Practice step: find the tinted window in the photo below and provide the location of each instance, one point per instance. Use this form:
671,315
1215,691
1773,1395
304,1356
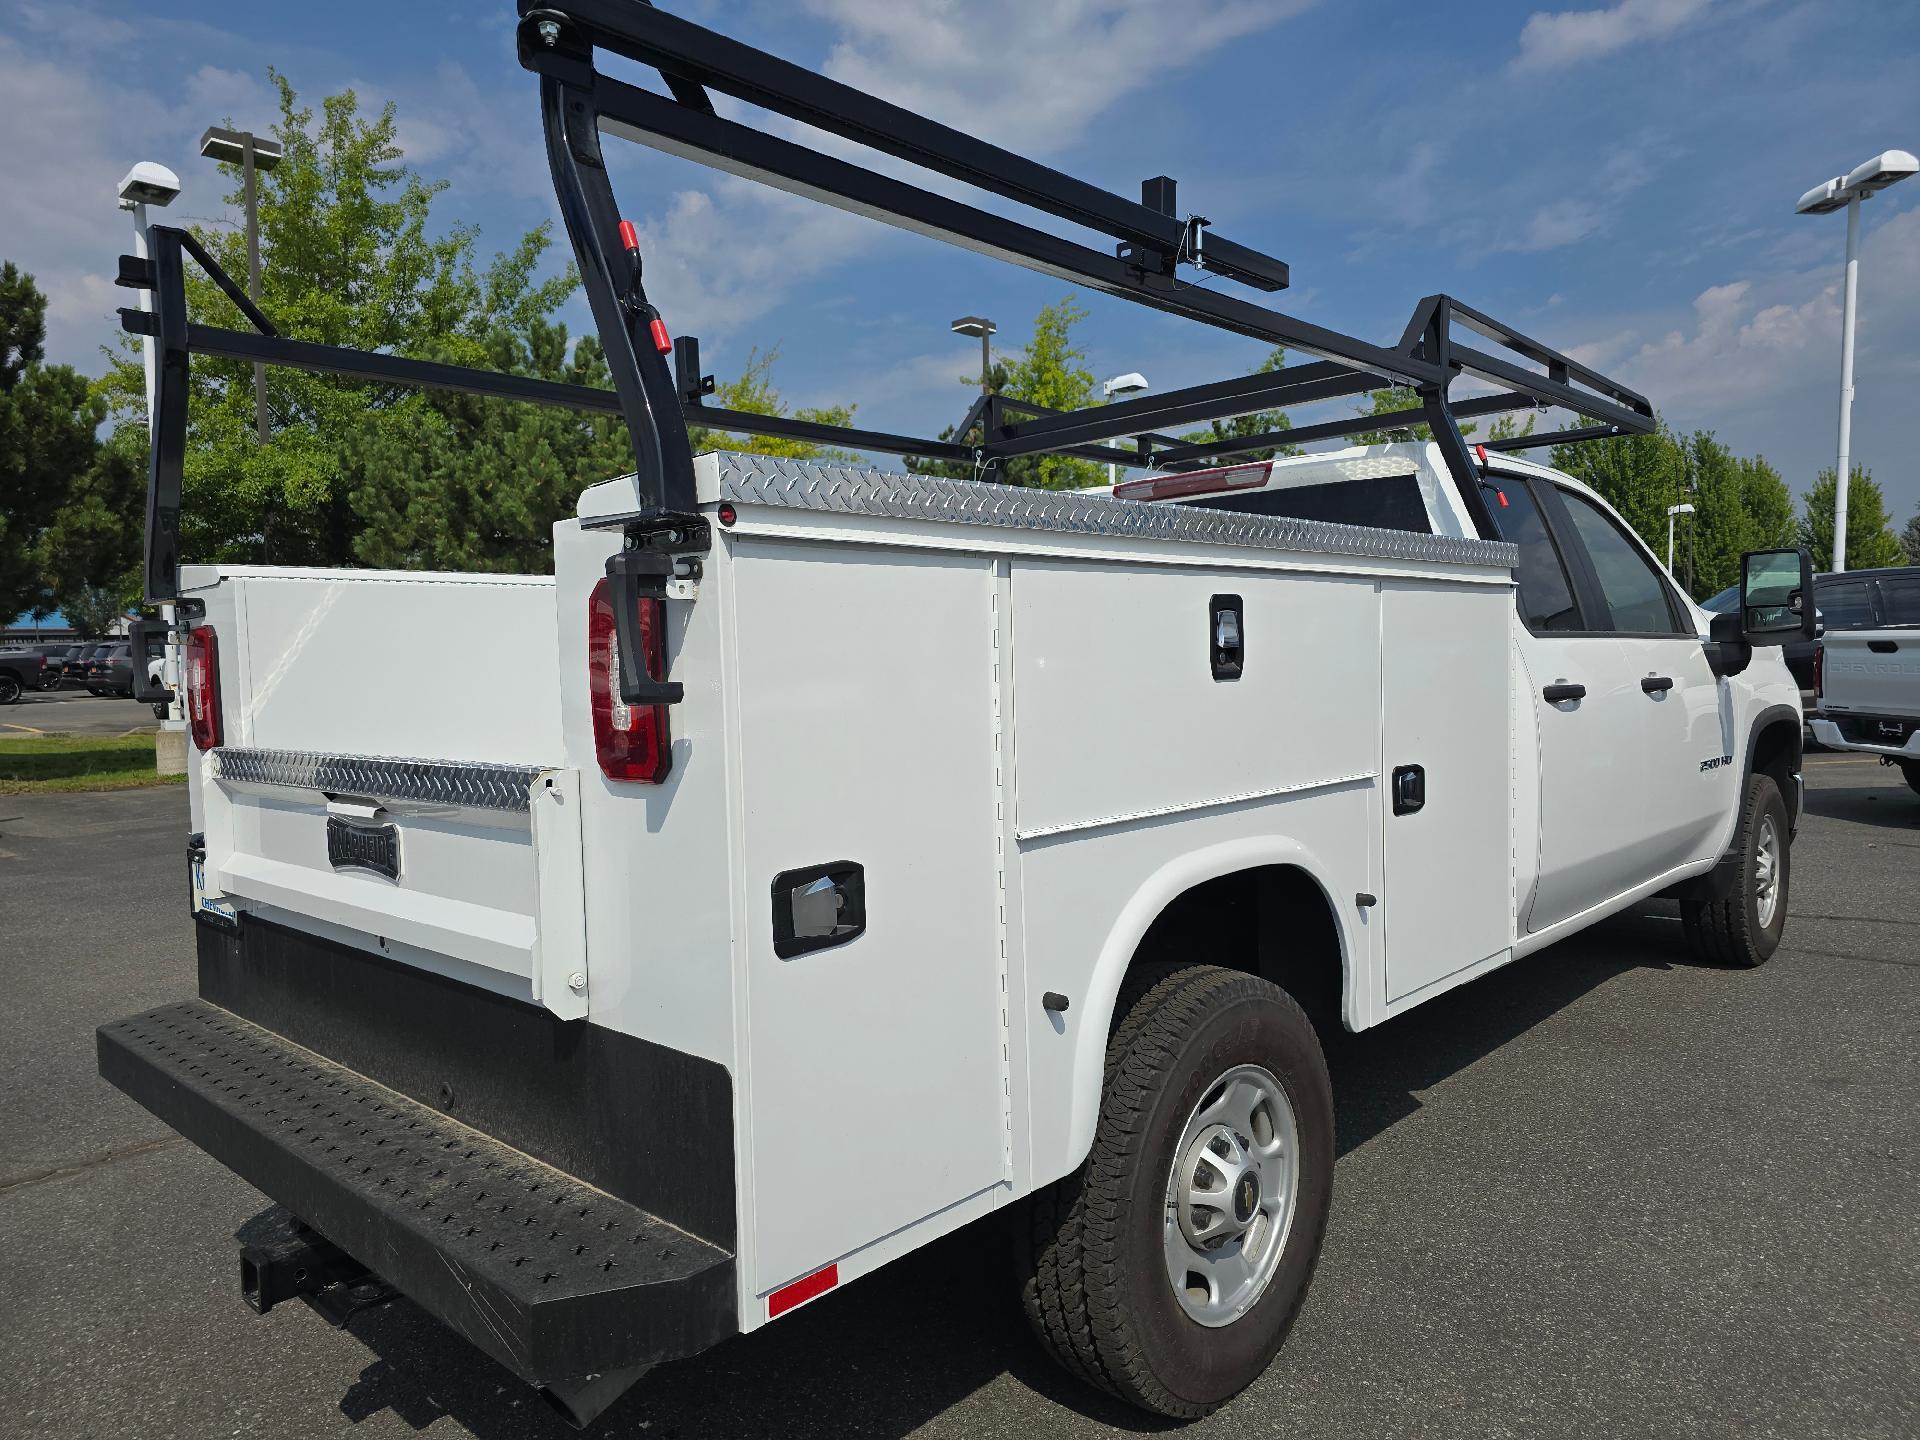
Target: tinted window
1545,598
1900,597
1725,603
1390,503
1634,591
1844,605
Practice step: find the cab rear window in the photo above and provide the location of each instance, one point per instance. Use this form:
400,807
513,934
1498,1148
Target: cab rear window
1390,503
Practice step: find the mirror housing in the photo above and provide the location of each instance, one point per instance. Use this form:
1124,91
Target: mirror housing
1728,652
142,636
1776,597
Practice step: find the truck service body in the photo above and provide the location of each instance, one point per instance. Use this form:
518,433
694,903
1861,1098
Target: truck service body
1868,687
865,853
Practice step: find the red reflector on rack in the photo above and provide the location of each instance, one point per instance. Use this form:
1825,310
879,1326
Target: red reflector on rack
1481,451
801,1291
661,340
1195,482
629,237
1501,496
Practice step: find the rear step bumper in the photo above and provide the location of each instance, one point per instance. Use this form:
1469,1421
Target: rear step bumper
555,1279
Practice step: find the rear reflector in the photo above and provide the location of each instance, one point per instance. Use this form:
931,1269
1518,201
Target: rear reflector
631,742
661,340
1195,482
801,1291
203,688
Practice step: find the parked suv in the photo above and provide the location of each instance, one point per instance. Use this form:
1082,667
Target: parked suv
110,671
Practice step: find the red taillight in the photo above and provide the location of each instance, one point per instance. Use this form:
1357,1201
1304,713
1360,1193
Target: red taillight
631,741
1819,671
203,687
1196,482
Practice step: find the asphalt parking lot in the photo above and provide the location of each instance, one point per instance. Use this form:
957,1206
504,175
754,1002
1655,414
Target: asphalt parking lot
75,712
1603,1192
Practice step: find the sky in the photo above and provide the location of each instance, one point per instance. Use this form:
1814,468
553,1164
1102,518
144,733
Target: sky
1616,179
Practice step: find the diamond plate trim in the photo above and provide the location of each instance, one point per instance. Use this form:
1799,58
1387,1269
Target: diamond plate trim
851,490
382,777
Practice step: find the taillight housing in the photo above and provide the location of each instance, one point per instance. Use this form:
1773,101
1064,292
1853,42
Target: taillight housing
202,685
632,742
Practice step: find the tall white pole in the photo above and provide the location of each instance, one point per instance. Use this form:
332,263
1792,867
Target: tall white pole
1669,542
1842,473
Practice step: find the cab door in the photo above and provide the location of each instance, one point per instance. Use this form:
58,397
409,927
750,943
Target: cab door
1586,703
1687,778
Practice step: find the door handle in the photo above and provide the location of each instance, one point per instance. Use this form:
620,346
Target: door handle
1883,647
1657,684
1555,693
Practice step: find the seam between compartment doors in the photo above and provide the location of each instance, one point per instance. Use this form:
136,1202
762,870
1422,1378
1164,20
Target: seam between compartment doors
1011,959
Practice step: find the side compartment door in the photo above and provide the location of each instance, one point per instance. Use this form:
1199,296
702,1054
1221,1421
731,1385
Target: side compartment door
877,1091
1587,704
1448,868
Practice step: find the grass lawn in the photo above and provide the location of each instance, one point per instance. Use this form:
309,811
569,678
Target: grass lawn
30,763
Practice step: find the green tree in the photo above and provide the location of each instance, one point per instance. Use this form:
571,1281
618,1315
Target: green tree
1871,542
1639,475
752,391
1910,540
93,609
1397,398
48,415
1051,372
353,255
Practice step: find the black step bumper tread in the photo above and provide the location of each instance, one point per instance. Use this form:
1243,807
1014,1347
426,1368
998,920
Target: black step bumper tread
551,1277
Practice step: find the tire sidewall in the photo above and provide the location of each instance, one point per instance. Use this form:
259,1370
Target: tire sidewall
10,689
1764,800
1199,1364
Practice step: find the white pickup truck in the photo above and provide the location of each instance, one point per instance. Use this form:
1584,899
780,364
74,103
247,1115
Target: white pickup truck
1867,682
882,852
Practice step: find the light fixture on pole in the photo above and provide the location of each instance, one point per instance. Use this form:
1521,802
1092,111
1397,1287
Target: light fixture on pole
1846,192
151,183
1673,510
1131,383
983,327
254,156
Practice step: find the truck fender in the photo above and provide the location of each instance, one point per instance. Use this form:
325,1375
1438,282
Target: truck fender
1123,938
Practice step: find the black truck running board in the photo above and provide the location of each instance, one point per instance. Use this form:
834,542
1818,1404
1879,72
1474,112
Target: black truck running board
561,1282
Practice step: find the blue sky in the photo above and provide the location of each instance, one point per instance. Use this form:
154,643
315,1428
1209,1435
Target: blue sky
1616,178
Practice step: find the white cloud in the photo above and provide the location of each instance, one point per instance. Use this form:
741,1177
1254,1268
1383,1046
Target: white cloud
1564,222
1551,39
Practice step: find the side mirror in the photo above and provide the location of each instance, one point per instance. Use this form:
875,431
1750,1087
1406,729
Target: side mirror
1776,597
143,638
1728,652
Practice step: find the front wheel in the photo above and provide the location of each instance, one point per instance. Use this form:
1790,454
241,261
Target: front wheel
1169,1269
1911,769
1736,914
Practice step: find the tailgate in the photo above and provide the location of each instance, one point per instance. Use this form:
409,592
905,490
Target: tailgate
391,772
1875,672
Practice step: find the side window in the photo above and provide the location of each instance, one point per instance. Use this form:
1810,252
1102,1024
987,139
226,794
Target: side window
1846,604
1633,589
1545,597
1900,595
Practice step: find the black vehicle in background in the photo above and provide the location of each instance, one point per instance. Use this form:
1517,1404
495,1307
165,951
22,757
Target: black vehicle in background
110,671
20,672
1853,600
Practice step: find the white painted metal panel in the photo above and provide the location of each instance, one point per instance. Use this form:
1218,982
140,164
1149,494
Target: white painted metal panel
1447,892
1120,716
876,1068
444,667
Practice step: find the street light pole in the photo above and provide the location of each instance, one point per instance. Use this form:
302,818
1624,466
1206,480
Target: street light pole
1673,510
254,156
983,327
1843,472
1846,192
1132,383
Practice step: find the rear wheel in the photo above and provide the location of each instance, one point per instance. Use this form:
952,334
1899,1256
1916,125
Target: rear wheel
1736,914
1911,769
1169,1269
9,688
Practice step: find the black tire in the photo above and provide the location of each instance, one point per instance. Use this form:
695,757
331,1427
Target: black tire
1093,1270
1911,769
10,687
1721,913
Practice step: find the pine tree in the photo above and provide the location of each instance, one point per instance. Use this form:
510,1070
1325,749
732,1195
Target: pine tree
1871,542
